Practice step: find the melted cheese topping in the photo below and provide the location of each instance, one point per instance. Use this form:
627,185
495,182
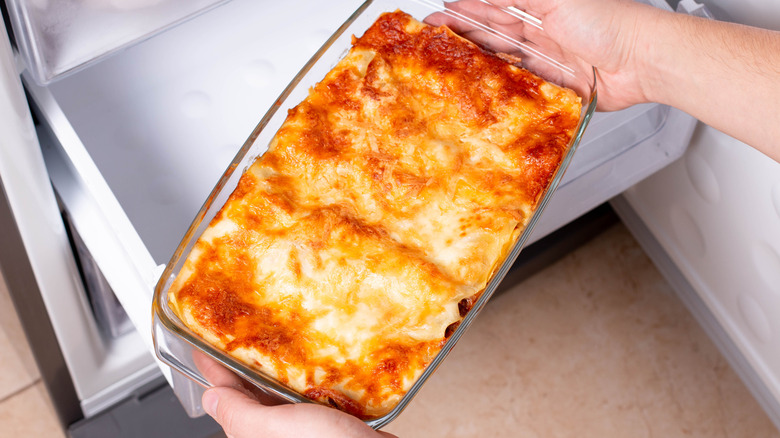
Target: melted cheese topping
387,199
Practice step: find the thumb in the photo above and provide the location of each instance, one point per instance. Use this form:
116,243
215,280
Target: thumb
243,417
236,412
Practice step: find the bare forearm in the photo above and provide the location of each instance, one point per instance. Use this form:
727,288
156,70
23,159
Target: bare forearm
724,74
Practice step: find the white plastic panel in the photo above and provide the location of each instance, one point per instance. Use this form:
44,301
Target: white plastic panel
104,370
716,213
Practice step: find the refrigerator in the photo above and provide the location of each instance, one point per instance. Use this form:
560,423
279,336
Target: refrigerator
118,117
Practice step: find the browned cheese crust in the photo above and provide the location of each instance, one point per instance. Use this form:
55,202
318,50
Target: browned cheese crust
387,199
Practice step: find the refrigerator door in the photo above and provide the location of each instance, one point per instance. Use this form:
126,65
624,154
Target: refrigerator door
711,222
715,215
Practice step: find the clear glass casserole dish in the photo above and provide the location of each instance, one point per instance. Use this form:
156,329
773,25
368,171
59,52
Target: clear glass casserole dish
177,346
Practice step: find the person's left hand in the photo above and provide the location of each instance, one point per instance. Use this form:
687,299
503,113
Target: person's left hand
244,413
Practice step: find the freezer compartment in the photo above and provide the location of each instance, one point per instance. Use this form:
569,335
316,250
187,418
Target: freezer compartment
84,171
58,37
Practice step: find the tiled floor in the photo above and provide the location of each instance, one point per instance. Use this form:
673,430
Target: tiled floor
25,409
597,345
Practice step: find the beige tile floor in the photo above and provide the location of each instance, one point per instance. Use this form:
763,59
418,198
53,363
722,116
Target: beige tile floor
597,345
25,409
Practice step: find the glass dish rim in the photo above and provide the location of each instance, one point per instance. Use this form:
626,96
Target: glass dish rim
159,306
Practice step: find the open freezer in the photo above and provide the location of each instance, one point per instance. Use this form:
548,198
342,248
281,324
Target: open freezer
133,145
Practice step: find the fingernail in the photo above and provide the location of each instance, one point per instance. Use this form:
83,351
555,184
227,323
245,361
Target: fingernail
210,401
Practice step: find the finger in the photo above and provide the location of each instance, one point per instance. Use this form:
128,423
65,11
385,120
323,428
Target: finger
498,38
214,372
242,417
501,11
489,26
468,14
482,11
495,42
236,412
457,24
537,8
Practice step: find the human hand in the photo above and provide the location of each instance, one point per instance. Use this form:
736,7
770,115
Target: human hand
244,412
607,34
724,74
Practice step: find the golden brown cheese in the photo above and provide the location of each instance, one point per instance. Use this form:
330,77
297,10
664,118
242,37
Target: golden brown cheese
388,197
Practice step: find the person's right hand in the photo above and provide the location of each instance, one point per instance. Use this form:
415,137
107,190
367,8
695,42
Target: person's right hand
245,412
724,74
607,34
241,415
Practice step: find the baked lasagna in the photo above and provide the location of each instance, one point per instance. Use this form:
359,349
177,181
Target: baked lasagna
351,249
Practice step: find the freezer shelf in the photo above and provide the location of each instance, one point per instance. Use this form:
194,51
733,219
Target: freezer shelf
57,37
139,140
162,123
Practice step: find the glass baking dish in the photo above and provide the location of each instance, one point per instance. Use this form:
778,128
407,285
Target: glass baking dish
183,350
